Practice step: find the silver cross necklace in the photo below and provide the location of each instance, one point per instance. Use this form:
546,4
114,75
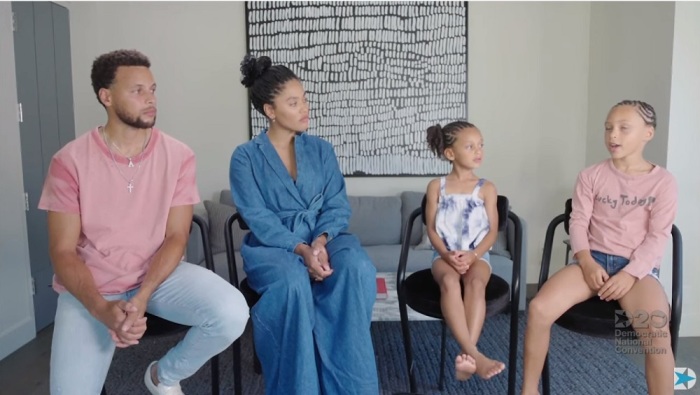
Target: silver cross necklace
129,181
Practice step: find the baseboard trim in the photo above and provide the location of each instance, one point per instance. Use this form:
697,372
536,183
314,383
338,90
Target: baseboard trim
16,336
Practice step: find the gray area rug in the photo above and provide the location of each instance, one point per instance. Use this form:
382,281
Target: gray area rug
579,364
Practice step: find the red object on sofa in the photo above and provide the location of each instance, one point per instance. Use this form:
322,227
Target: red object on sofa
381,289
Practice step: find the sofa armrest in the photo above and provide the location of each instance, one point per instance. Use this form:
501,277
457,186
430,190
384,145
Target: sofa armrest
194,252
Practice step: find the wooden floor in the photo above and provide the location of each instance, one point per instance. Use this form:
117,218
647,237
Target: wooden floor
26,371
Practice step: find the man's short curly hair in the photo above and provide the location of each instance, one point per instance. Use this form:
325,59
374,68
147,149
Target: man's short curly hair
104,68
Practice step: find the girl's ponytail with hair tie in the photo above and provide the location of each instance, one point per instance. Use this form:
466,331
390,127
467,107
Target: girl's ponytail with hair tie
440,135
436,139
437,130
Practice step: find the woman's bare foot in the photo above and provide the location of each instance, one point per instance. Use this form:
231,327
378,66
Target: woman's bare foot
465,366
487,368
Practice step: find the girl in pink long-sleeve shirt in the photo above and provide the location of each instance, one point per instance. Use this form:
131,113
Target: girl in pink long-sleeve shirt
622,212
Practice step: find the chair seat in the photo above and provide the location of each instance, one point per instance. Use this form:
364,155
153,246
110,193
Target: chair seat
423,294
251,297
594,317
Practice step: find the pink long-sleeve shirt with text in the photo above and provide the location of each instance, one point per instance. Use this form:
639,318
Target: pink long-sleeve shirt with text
625,215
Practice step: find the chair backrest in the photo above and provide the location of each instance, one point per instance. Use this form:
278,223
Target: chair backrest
567,212
242,224
230,248
502,205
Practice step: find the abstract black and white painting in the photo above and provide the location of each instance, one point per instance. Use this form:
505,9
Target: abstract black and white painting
376,74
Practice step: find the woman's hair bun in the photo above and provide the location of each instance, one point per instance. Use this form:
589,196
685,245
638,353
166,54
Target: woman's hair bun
252,68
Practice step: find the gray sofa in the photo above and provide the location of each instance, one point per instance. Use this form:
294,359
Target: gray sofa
378,221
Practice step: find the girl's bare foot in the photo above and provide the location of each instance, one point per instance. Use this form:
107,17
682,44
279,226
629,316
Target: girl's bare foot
465,366
528,392
487,368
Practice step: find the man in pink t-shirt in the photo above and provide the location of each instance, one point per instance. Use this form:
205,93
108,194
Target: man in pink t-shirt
120,201
623,210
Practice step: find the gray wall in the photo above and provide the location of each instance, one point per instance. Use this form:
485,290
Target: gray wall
16,306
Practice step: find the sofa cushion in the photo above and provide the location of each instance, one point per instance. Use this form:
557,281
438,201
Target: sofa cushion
410,201
226,198
218,214
425,243
376,220
386,258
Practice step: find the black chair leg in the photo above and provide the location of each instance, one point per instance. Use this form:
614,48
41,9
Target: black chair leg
257,368
513,351
215,375
674,345
407,346
545,376
237,387
674,328
443,345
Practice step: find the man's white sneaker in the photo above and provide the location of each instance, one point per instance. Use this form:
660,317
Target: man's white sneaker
160,389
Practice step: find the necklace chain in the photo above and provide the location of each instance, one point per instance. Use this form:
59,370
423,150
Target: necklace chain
129,181
131,163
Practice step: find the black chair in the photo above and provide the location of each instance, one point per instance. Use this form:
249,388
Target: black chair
161,327
595,317
250,296
422,293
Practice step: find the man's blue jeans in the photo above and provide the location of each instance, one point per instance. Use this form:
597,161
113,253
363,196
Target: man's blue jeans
82,348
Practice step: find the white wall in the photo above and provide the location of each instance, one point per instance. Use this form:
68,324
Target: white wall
683,160
16,305
630,58
528,70
528,66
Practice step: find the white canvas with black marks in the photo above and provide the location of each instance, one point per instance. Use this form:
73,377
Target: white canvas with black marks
377,75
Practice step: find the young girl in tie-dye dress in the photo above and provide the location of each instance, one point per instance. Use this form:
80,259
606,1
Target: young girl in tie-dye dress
462,223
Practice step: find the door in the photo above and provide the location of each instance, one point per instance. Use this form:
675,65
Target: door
16,304
44,90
